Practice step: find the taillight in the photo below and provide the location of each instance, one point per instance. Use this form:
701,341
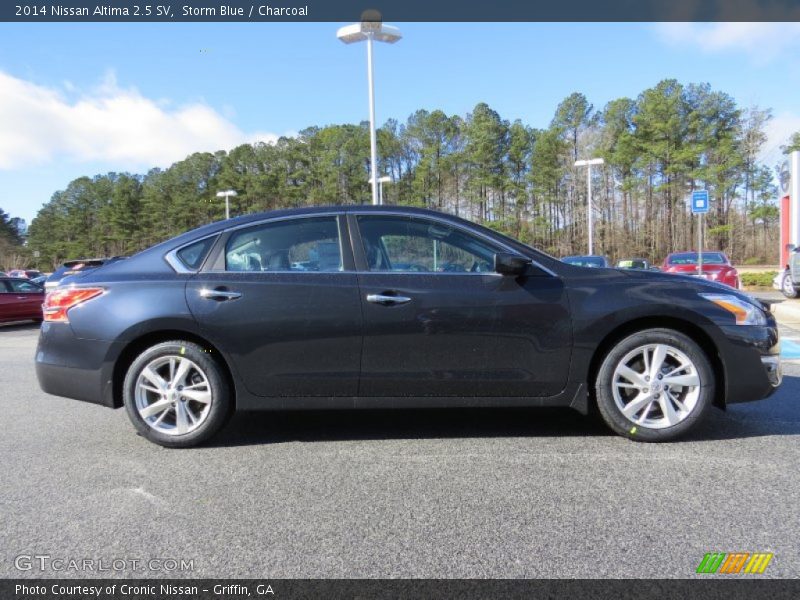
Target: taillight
59,301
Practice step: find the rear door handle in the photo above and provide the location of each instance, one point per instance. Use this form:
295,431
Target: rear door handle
385,299
219,294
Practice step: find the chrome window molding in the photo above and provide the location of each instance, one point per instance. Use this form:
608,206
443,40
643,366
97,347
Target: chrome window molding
174,262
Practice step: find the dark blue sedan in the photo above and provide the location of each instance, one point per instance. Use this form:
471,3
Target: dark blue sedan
355,307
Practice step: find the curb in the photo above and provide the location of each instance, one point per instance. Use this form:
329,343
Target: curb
788,312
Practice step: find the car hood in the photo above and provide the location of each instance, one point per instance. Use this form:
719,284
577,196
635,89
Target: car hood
699,284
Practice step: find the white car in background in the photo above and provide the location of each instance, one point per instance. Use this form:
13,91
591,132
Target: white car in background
788,280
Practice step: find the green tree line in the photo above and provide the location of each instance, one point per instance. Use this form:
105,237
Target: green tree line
658,148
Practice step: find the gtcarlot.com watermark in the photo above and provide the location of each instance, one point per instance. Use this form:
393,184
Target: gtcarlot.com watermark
45,563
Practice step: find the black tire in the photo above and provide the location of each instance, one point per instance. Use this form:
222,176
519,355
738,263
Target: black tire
787,287
221,403
612,414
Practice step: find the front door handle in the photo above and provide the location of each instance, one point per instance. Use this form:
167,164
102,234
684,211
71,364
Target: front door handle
387,300
219,294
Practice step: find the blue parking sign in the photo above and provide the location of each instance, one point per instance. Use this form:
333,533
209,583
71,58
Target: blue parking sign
700,201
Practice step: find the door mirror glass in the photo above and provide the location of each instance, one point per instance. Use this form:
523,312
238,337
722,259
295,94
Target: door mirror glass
507,263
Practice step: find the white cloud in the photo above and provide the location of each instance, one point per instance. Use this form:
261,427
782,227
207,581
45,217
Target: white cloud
778,131
762,42
116,126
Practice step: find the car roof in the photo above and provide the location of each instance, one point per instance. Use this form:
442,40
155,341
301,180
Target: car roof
219,226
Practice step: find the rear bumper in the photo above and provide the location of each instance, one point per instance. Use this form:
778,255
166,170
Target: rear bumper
74,368
751,359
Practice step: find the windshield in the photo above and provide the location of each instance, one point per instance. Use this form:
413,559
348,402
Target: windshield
690,258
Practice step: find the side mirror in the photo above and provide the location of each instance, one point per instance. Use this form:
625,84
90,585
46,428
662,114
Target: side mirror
790,247
507,263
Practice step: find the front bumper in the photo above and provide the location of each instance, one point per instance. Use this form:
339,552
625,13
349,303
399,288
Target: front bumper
751,360
72,367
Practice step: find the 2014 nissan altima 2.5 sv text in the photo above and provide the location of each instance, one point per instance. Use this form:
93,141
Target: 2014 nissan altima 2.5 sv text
369,307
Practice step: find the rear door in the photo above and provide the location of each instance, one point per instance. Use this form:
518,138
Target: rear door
439,321
29,298
9,306
281,299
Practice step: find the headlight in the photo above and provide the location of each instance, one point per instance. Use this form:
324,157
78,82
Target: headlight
746,313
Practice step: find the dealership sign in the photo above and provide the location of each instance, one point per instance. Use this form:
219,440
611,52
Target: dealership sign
700,201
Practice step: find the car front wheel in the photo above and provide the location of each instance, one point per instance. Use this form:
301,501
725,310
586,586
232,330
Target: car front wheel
787,286
654,385
176,394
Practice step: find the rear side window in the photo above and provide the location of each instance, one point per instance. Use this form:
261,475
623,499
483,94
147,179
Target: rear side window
301,244
192,255
24,287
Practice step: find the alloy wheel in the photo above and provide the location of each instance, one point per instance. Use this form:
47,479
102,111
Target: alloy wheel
656,386
788,286
173,395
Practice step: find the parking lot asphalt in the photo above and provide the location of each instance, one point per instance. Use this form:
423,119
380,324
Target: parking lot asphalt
439,493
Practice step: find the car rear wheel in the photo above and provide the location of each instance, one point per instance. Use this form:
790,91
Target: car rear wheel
176,394
654,385
787,286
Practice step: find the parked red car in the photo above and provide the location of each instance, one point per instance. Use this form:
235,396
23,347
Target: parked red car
20,300
716,267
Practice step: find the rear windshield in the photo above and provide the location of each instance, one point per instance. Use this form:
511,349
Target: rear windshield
690,258
632,264
586,261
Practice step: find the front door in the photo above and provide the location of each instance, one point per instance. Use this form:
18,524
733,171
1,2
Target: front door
439,321
282,302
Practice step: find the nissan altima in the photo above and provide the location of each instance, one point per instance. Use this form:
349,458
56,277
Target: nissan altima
388,307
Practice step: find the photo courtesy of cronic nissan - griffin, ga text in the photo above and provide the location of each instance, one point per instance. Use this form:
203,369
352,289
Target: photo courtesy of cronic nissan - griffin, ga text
373,307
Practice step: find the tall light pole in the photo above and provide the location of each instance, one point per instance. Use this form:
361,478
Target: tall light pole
227,194
588,164
369,31
381,181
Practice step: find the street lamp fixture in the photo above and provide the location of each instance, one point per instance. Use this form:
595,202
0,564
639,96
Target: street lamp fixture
227,194
381,181
371,29
588,164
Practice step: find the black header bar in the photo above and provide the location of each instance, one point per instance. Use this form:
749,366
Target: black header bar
144,11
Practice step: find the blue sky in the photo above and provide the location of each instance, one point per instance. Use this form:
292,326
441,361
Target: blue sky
79,99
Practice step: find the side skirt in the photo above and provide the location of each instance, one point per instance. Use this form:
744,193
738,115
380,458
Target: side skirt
573,396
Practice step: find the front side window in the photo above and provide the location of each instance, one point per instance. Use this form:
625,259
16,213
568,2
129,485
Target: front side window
303,244
412,245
